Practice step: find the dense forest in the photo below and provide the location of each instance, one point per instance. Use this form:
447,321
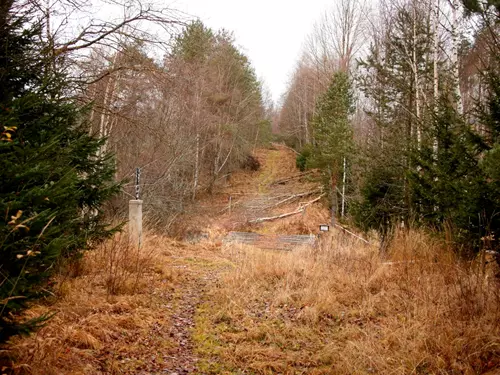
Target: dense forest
398,107
186,122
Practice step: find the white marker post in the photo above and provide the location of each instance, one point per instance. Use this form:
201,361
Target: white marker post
135,214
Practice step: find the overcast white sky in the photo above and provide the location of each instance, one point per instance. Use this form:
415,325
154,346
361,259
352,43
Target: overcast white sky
269,32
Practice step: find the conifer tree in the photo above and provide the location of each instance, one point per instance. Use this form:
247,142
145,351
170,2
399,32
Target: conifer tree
447,184
53,179
332,134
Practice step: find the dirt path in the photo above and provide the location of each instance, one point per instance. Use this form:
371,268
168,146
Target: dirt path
158,320
253,195
183,360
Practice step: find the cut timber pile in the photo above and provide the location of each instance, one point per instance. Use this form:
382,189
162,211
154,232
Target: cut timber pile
275,242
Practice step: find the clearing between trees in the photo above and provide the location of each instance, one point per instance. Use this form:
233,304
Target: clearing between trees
198,305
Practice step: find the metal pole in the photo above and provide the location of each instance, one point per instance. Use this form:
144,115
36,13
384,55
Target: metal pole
137,182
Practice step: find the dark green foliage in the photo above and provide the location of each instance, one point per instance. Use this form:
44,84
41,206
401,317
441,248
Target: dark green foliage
53,176
265,135
445,186
382,203
447,176
458,182
333,134
388,81
193,45
331,125
302,159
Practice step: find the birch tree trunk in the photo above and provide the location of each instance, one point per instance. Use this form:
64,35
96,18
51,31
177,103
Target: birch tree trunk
417,77
47,25
435,53
435,49
455,7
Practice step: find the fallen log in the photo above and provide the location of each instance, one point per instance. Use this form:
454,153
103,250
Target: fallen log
354,235
304,205
301,209
284,180
293,197
262,219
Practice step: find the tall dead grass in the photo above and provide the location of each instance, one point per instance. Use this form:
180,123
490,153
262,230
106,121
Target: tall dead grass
341,309
110,315
121,264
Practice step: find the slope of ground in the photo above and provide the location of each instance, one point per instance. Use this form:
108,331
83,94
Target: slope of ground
200,307
267,192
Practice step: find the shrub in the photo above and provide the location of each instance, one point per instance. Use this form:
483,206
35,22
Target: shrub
54,177
251,163
302,158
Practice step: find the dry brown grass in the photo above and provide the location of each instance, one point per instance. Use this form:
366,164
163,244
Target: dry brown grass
111,318
336,309
340,309
120,265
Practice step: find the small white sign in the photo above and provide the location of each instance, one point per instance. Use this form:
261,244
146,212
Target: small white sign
324,228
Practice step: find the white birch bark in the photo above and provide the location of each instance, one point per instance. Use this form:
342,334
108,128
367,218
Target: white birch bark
455,8
435,48
435,56
417,77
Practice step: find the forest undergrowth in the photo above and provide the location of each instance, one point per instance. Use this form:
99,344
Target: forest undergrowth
203,306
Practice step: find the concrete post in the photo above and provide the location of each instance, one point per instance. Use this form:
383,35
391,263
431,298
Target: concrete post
135,222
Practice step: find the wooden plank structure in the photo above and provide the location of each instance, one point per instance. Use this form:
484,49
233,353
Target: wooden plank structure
271,241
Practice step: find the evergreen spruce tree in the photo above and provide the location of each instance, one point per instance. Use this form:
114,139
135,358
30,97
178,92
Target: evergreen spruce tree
448,183
459,183
332,134
53,177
